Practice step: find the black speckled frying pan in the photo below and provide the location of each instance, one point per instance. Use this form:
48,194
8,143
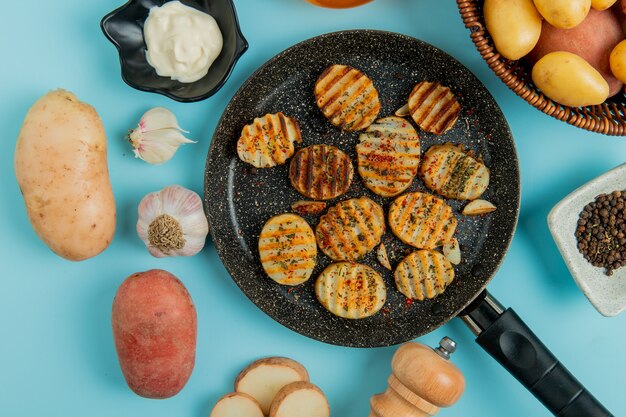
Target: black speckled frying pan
239,199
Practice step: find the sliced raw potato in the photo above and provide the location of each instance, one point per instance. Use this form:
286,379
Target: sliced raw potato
433,107
422,220
388,156
237,404
321,172
477,207
452,252
347,97
453,172
383,258
350,229
423,274
287,249
269,140
403,111
308,207
300,399
264,378
351,290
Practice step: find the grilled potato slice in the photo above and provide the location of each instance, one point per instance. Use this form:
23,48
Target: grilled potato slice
308,207
433,107
321,172
450,171
351,290
347,97
423,274
269,140
388,156
350,229
422,220
287,248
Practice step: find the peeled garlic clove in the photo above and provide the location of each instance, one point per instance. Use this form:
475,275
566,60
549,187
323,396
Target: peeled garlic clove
158,136
381,254
477,207
403,111
172,222
452,252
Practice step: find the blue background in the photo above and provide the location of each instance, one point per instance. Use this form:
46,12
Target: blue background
56,348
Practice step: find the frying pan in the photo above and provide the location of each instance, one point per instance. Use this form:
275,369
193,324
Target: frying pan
239,199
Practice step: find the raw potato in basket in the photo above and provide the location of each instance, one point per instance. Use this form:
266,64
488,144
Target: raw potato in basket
347,97
433,107
321,172
350,229
350,290
269,140
287,249
264,378
300,399
422,220
451,171
423,274
388,156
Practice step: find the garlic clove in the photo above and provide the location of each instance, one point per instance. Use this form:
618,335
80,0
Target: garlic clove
157,146
158,118
172,222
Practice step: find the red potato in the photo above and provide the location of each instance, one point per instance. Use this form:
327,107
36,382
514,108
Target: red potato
593,40
154,327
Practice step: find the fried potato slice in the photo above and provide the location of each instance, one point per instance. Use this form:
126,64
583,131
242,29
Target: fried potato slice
321,172
451,171
351,290
388,156
287,249
308,207
423,274
347,97
422,220
269,140
350,229
433,107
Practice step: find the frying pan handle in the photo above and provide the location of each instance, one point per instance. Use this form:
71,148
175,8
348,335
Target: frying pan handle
504,335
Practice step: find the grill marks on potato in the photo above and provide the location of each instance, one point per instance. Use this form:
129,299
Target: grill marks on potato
351,290
433,107
388,156
449,170
422,220
423,274
347,97
287,249
269,140
350,229
321,172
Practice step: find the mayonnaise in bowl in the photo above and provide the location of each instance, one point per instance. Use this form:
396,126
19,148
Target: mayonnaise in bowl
182,42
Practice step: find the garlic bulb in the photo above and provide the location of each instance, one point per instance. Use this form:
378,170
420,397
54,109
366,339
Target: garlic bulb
158,136
172,222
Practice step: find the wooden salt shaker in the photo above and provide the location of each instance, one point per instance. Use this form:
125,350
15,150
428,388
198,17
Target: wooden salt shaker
422,381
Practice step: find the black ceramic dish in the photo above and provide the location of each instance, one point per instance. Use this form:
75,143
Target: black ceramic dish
124,28
239,199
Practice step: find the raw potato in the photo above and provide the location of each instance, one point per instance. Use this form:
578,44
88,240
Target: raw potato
618,61
300,399
563,14
586,41
264,378
514,25
154,326
602,4
61,169
568,79
237,404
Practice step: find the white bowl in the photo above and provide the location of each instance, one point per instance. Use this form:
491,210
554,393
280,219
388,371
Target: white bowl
606,293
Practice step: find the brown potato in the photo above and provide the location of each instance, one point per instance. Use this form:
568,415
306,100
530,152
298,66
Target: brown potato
586,41
321,172
154,328
300,399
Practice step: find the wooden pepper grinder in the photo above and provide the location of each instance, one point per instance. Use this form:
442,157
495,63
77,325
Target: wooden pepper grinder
422,381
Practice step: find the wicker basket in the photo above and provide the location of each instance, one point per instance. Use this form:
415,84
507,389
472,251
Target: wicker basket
607,118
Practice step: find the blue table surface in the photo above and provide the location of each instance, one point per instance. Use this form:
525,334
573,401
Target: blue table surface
56,348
